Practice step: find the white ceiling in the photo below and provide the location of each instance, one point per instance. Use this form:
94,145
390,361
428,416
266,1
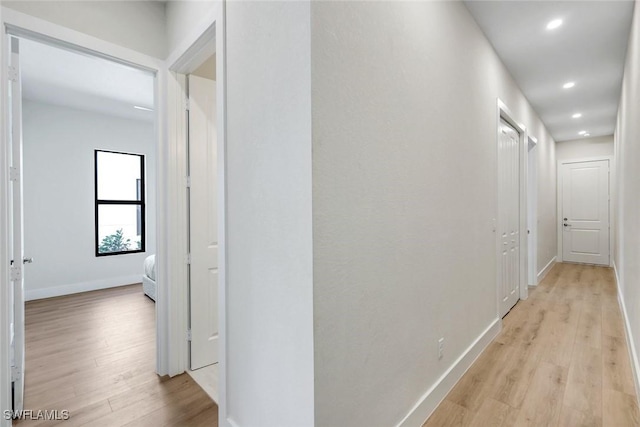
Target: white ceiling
589,48
77,80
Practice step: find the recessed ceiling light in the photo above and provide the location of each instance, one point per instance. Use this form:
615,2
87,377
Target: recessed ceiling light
582,132
586,134
137,107
577,115
552,25
569,85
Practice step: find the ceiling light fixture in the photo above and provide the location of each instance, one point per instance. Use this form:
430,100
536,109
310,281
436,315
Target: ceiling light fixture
582,132
586,134
552,25
577,115
137,107
568,85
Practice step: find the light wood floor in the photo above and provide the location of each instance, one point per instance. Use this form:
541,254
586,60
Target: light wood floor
560,360
207,378
94,355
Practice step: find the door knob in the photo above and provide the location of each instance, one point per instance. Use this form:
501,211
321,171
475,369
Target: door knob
27,260
566,225
565,219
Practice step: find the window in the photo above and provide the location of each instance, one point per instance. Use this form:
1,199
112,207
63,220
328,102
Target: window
120,203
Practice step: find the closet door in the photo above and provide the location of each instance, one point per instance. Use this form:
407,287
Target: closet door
203,219
508,216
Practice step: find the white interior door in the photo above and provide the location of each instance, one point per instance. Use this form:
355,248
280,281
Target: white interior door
17,231
203,228
585,212
508,216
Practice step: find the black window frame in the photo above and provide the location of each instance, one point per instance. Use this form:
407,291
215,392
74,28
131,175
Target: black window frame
141,203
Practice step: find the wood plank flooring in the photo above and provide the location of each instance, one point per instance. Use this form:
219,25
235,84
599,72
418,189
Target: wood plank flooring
560,360
94,355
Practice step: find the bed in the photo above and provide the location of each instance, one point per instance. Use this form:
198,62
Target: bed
149,277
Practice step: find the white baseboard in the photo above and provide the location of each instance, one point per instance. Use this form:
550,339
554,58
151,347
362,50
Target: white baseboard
547,268
436,394
34,294
635,366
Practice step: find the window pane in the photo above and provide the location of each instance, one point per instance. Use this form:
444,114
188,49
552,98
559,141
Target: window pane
118,228
118,176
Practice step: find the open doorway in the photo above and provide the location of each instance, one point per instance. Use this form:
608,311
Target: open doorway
84,211
203,239
91,389
196,119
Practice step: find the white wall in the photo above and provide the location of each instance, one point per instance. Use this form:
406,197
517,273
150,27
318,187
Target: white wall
585,148
59,211
547,171
186,20
138,25
152,27
627,158
404,193
269,310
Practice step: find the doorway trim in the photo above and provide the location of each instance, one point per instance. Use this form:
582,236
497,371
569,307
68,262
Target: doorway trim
208,38
532,210
503,112
559,200
15,22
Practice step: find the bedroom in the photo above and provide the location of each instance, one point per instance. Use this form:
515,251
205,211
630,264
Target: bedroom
89,171
89,203
85,119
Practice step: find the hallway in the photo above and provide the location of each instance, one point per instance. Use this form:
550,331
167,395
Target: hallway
560,360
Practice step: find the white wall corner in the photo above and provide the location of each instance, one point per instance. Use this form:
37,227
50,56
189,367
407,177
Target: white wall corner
75,288
436,394
635,365
547,268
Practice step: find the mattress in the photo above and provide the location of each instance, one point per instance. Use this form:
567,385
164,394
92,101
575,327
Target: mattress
149,287
149,277
150,267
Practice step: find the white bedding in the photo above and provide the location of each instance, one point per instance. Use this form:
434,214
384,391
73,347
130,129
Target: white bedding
150,267
149,277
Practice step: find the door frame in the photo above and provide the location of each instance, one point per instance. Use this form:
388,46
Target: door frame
208,37
17,210
503,112
532,210
21,24
559,200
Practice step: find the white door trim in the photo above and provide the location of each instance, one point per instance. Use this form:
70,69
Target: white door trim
5,250
532,211
17,227
559,200
504,113
50,31
183,61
